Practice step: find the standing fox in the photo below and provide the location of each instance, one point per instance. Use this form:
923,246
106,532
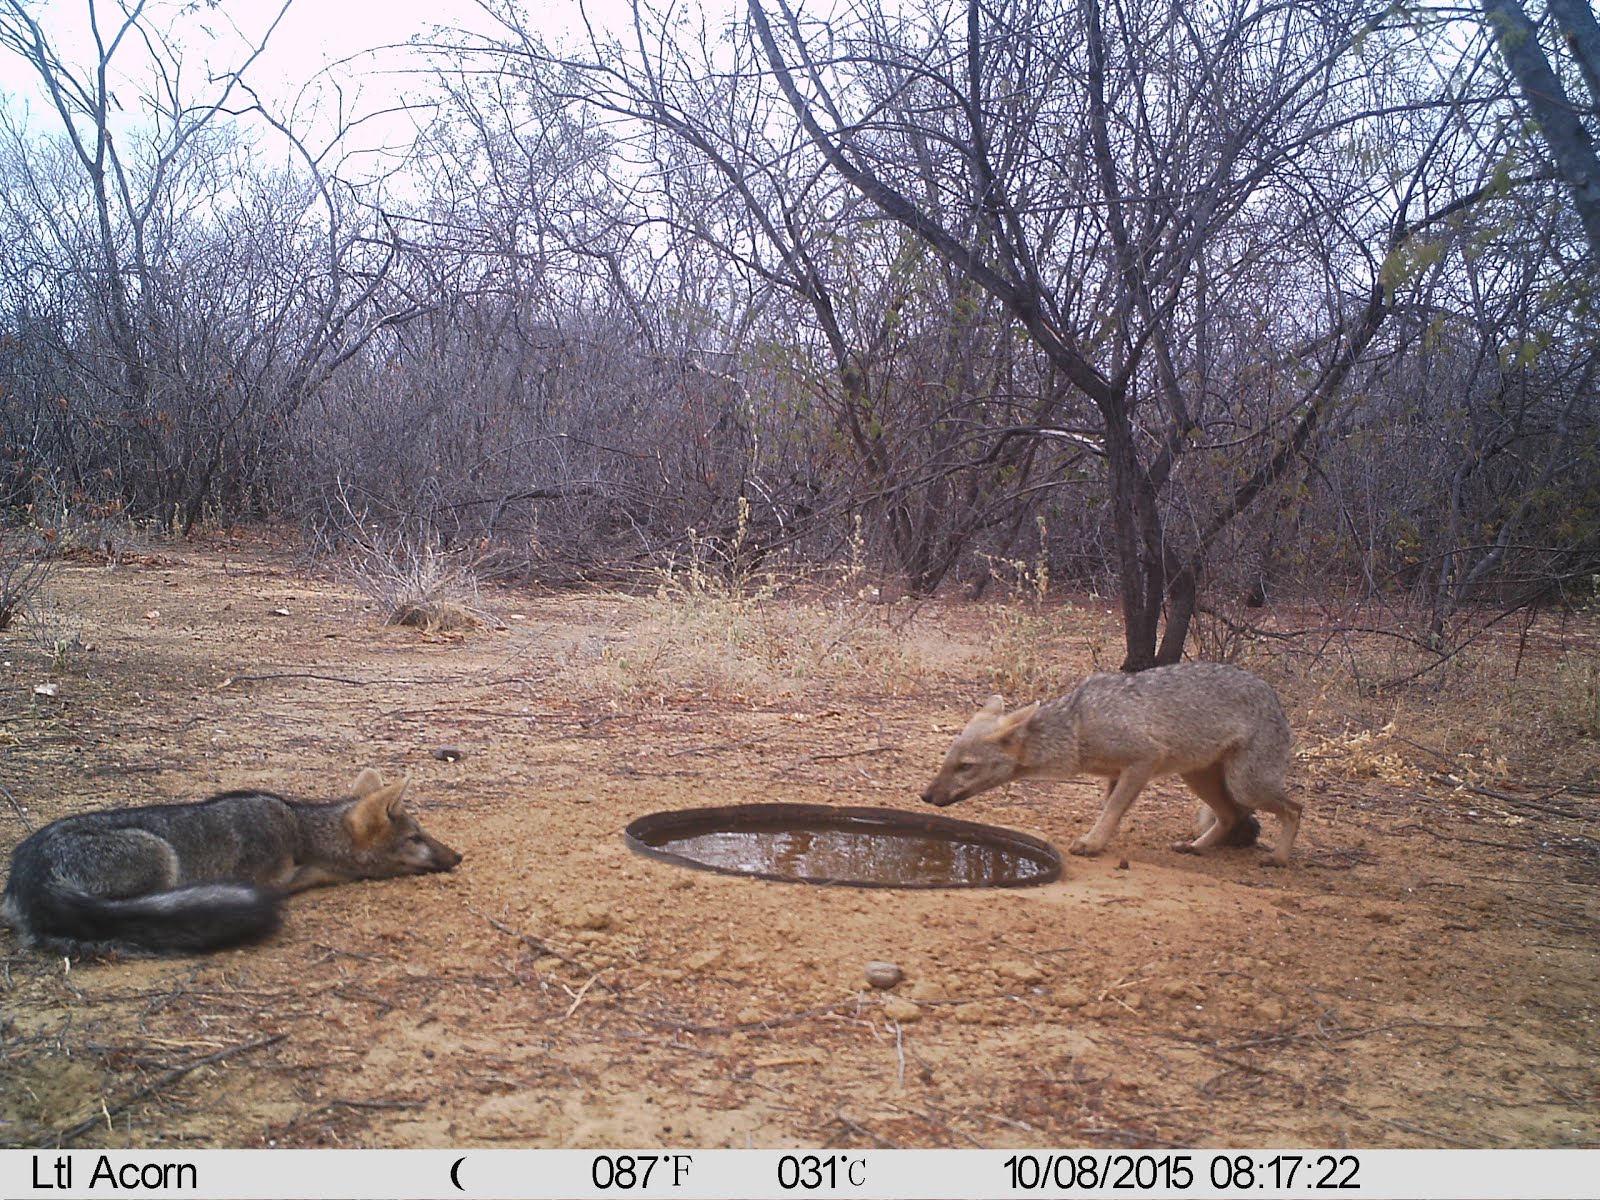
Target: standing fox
1219,728
186,878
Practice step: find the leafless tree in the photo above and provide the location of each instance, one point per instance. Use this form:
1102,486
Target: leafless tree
868,345
1225,299
208,297
1132,167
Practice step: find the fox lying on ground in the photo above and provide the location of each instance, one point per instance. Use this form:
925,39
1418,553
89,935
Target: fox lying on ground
187,878
1219,728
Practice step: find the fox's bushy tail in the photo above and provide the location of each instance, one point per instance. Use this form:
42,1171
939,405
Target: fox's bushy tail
186,920
1246,833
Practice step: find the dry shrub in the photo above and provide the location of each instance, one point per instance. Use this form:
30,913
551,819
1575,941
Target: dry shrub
714,625
1359,754
1515,706
417,585
26,564
1027,650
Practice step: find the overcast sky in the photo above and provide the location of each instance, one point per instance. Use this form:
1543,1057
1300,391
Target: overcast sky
383,90
347,36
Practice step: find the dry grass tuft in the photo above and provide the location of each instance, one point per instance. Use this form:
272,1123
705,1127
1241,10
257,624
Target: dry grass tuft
1519,705
418,585
434,616
1037,646
717,625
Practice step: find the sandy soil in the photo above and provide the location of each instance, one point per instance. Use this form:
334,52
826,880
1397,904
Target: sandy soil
1424,975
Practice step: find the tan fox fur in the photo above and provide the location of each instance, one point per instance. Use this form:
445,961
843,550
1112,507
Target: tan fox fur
1219,728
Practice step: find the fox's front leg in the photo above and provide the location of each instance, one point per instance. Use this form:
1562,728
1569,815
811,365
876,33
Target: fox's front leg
307,875
1120,793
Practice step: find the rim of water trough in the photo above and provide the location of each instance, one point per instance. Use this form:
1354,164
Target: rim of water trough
756,816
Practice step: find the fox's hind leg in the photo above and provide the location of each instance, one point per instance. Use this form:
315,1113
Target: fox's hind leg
1262,787
119,863
1231,824
1288,813
1288,827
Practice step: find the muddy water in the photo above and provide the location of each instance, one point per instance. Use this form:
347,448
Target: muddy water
858,847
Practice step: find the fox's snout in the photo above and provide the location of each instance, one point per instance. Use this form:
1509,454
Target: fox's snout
933,797
442,858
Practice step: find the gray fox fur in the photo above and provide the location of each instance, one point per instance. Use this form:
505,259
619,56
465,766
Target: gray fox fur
188,878
1219,728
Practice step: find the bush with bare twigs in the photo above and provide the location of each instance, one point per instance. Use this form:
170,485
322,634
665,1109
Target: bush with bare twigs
26,565
417,584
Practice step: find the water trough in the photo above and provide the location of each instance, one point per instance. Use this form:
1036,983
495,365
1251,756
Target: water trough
845,846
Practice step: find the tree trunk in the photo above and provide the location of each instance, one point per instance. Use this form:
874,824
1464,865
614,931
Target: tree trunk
1133,510
1569,142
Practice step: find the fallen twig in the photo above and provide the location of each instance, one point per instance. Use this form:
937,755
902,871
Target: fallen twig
900,1055
863,1132
578,999
233,679
172,1076
794,1018
534,943
1434,1136
372,1104
22,814
1450,837
1536,804
924,1115
739,745
805,758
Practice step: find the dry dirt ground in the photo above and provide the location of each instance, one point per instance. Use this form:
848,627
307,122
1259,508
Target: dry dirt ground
1424,975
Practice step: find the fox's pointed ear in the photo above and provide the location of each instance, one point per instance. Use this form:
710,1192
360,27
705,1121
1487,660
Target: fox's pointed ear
369,818
393,793
368,781
1013,723
985,716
